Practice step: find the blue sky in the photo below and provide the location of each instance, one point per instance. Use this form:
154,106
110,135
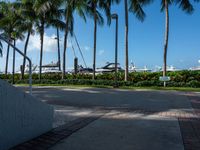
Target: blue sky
145,40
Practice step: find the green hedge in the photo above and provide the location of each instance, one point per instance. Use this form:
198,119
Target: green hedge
178,79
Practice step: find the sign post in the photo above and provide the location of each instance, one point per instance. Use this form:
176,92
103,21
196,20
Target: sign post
165,79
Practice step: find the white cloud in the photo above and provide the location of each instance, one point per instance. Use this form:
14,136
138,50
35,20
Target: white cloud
87,48
101,52
50,44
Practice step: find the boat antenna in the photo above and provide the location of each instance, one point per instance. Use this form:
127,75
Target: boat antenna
80,50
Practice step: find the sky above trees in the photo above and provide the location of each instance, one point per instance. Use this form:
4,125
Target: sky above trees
145,40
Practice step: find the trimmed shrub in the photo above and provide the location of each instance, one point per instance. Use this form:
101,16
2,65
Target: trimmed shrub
178,79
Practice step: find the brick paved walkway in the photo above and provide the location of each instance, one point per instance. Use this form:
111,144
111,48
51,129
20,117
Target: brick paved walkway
189,122
190,127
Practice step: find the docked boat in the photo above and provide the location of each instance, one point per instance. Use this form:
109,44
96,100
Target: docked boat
51,68
169,69
195,68
26,70
133,68
172,68
83,70
108,68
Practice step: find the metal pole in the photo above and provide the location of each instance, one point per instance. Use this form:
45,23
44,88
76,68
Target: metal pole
13,70
58,43
30,76
116,51
30,63
115,16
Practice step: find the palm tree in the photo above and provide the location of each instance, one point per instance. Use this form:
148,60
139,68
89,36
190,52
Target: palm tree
28,15
9,22
186,6
70,7
135,7
47,13
16,34
6,24
95,8
13,28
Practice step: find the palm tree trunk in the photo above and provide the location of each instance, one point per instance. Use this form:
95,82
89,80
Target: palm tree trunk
7,58
166,40
13,71
58,41
95,44
126,40
41,50
25,51
65,48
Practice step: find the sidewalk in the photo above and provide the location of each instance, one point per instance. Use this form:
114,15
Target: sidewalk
143,120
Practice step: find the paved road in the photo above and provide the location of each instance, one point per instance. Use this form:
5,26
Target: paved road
138,120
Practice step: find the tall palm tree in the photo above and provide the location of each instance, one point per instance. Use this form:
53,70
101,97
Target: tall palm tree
6,25
17,34
13,27
28,15
186,6
47,13
94,11
135,7
70,7
9,23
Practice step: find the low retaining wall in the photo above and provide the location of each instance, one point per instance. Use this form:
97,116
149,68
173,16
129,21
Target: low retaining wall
22,117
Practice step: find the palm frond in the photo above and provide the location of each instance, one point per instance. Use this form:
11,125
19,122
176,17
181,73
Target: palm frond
185,5
136,8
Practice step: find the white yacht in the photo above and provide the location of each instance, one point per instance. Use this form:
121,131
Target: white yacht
51,68
133,68
26,70
172,68
169,68
195,68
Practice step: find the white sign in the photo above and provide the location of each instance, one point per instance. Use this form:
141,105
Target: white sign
164,79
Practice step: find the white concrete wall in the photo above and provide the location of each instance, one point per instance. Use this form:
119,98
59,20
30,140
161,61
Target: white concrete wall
22,117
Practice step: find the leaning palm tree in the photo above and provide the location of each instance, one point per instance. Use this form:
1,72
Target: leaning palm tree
135,7
28,15
186,6
17,34
70,7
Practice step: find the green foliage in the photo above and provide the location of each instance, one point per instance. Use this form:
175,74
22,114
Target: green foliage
178,79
